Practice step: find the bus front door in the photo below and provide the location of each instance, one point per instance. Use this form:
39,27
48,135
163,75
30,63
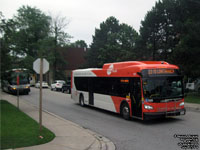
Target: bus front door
136,102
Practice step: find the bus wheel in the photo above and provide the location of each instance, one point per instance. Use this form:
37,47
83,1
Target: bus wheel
125,111
81,100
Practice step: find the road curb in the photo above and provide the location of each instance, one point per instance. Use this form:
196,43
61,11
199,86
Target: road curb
105,143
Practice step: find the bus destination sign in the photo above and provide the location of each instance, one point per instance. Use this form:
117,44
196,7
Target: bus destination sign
160,71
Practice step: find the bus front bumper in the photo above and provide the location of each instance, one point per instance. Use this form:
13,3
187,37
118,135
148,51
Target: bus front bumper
21,90
177,112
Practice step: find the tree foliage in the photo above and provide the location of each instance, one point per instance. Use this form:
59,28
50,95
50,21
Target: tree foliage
158,32
5,33
170,31
59,39
112,42
79,44
32,28
31,34
23,36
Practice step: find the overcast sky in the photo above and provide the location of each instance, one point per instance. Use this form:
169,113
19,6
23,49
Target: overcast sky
85,15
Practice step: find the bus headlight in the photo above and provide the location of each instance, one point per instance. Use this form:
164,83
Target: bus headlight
13,87
148,107
181,104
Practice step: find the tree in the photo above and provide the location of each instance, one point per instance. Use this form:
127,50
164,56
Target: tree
32,27
170,32
60,39
23,35
79,44
112,42
31,34
187,51
158,30
5,30
127,40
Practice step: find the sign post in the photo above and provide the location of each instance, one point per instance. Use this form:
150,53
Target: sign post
41,66
18,90
41,80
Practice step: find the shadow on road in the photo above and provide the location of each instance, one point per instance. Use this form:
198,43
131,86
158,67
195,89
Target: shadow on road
134,120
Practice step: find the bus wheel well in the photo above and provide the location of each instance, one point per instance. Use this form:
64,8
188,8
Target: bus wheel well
121,105
125,110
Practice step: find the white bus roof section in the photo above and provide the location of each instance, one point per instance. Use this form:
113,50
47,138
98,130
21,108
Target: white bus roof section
85,72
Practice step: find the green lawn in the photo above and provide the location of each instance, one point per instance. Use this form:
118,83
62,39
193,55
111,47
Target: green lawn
19,130
192,98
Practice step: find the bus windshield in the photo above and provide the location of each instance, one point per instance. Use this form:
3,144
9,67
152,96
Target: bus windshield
23,78
158,88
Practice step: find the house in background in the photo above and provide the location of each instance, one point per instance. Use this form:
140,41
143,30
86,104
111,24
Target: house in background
74,57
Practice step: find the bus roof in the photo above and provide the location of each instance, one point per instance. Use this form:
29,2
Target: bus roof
142,64
128,68
16,69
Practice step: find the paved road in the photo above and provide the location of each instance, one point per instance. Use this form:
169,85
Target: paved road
126,135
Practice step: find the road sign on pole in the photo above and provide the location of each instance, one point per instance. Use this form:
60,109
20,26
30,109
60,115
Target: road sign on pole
41,66
36,66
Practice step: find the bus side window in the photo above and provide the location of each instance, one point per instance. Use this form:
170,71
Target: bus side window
120,88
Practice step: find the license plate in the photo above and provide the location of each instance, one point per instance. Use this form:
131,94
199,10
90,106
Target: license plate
182,112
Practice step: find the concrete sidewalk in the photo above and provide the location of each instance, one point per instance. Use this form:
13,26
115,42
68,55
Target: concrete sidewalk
69,136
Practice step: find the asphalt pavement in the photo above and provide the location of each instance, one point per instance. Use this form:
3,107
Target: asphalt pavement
126,135
69,136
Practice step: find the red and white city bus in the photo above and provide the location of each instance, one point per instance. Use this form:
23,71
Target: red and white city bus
138,89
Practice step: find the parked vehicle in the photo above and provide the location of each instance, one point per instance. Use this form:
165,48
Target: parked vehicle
44,84
67,87
57,85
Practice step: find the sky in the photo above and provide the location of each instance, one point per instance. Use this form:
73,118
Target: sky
85,15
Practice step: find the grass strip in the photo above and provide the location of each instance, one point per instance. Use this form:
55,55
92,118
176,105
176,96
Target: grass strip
19,130
192,98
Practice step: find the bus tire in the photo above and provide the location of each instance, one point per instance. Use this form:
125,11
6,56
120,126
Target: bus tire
81,100
125,111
